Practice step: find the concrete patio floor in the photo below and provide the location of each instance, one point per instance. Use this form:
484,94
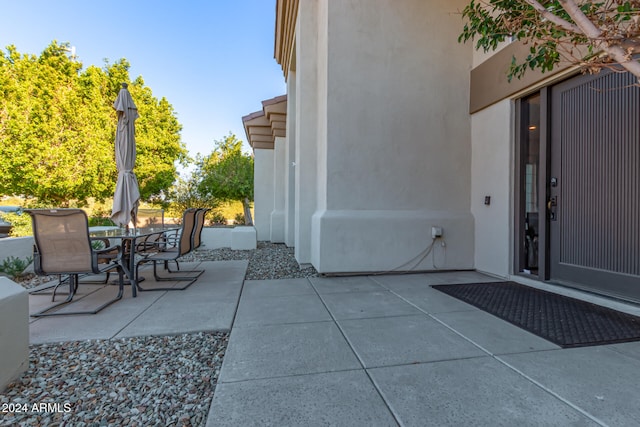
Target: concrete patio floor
375,350
209,304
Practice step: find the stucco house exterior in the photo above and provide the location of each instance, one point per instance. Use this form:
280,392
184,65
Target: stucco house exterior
396,148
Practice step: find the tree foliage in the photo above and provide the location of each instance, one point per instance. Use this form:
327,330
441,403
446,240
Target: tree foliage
591,34
186,193
57,129
227,174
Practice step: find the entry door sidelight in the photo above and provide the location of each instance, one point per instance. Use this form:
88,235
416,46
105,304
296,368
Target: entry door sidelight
593,200
528,218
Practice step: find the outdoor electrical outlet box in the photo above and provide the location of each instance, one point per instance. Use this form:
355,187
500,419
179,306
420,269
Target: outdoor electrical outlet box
436,232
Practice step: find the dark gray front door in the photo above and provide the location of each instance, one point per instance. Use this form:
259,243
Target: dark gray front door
594,188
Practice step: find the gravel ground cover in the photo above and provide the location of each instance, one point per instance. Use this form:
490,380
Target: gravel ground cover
145,381
268,261
142,381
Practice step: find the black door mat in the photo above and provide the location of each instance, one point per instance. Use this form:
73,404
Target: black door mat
565,321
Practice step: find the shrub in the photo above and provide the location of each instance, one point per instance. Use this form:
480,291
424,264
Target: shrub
14,267
239,218
217,217
100,221
98,244
21,224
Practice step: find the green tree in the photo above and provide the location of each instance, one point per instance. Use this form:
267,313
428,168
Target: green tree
227,174
158,142
185,194
592,34
57,129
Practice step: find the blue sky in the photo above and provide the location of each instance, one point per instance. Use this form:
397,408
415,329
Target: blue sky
212,60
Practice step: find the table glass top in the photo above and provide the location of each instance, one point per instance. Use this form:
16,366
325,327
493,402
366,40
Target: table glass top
121,232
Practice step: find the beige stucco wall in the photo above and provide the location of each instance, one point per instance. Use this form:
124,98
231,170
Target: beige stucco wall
276,233
479,56
492,175
306,127
290,160
324,169
263,192
393,142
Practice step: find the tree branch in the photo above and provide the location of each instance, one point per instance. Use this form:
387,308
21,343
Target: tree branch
589,29
584,24
554,18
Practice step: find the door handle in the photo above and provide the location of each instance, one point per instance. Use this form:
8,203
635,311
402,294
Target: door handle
551,205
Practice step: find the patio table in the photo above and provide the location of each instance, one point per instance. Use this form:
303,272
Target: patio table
129,247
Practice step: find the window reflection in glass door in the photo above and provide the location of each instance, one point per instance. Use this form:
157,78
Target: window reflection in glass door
529,168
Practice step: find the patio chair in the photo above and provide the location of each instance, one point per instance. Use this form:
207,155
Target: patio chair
168,253
197,232
196,236
63,247
98,243
105,257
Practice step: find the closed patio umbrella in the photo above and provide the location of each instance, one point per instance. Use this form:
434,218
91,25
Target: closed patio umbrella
127,195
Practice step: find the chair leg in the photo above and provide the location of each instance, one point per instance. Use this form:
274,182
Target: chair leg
72,278
61,281
57,285
55,289
73,286
166,267
97,282
190,279
118,296
178,278
49,286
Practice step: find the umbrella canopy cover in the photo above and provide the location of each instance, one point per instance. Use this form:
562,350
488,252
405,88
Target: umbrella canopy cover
127,195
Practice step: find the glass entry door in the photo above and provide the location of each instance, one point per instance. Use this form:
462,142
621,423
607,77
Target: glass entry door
528,221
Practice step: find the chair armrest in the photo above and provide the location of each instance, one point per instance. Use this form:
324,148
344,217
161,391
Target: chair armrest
152,243
114,248
173,237
108,252
105,243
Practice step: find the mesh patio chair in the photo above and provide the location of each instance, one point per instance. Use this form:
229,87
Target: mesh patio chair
167,253
104,258
63,247
197,232
196,239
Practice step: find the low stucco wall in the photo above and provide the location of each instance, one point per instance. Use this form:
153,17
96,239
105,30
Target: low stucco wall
22,247
14,331
19,247
214,238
